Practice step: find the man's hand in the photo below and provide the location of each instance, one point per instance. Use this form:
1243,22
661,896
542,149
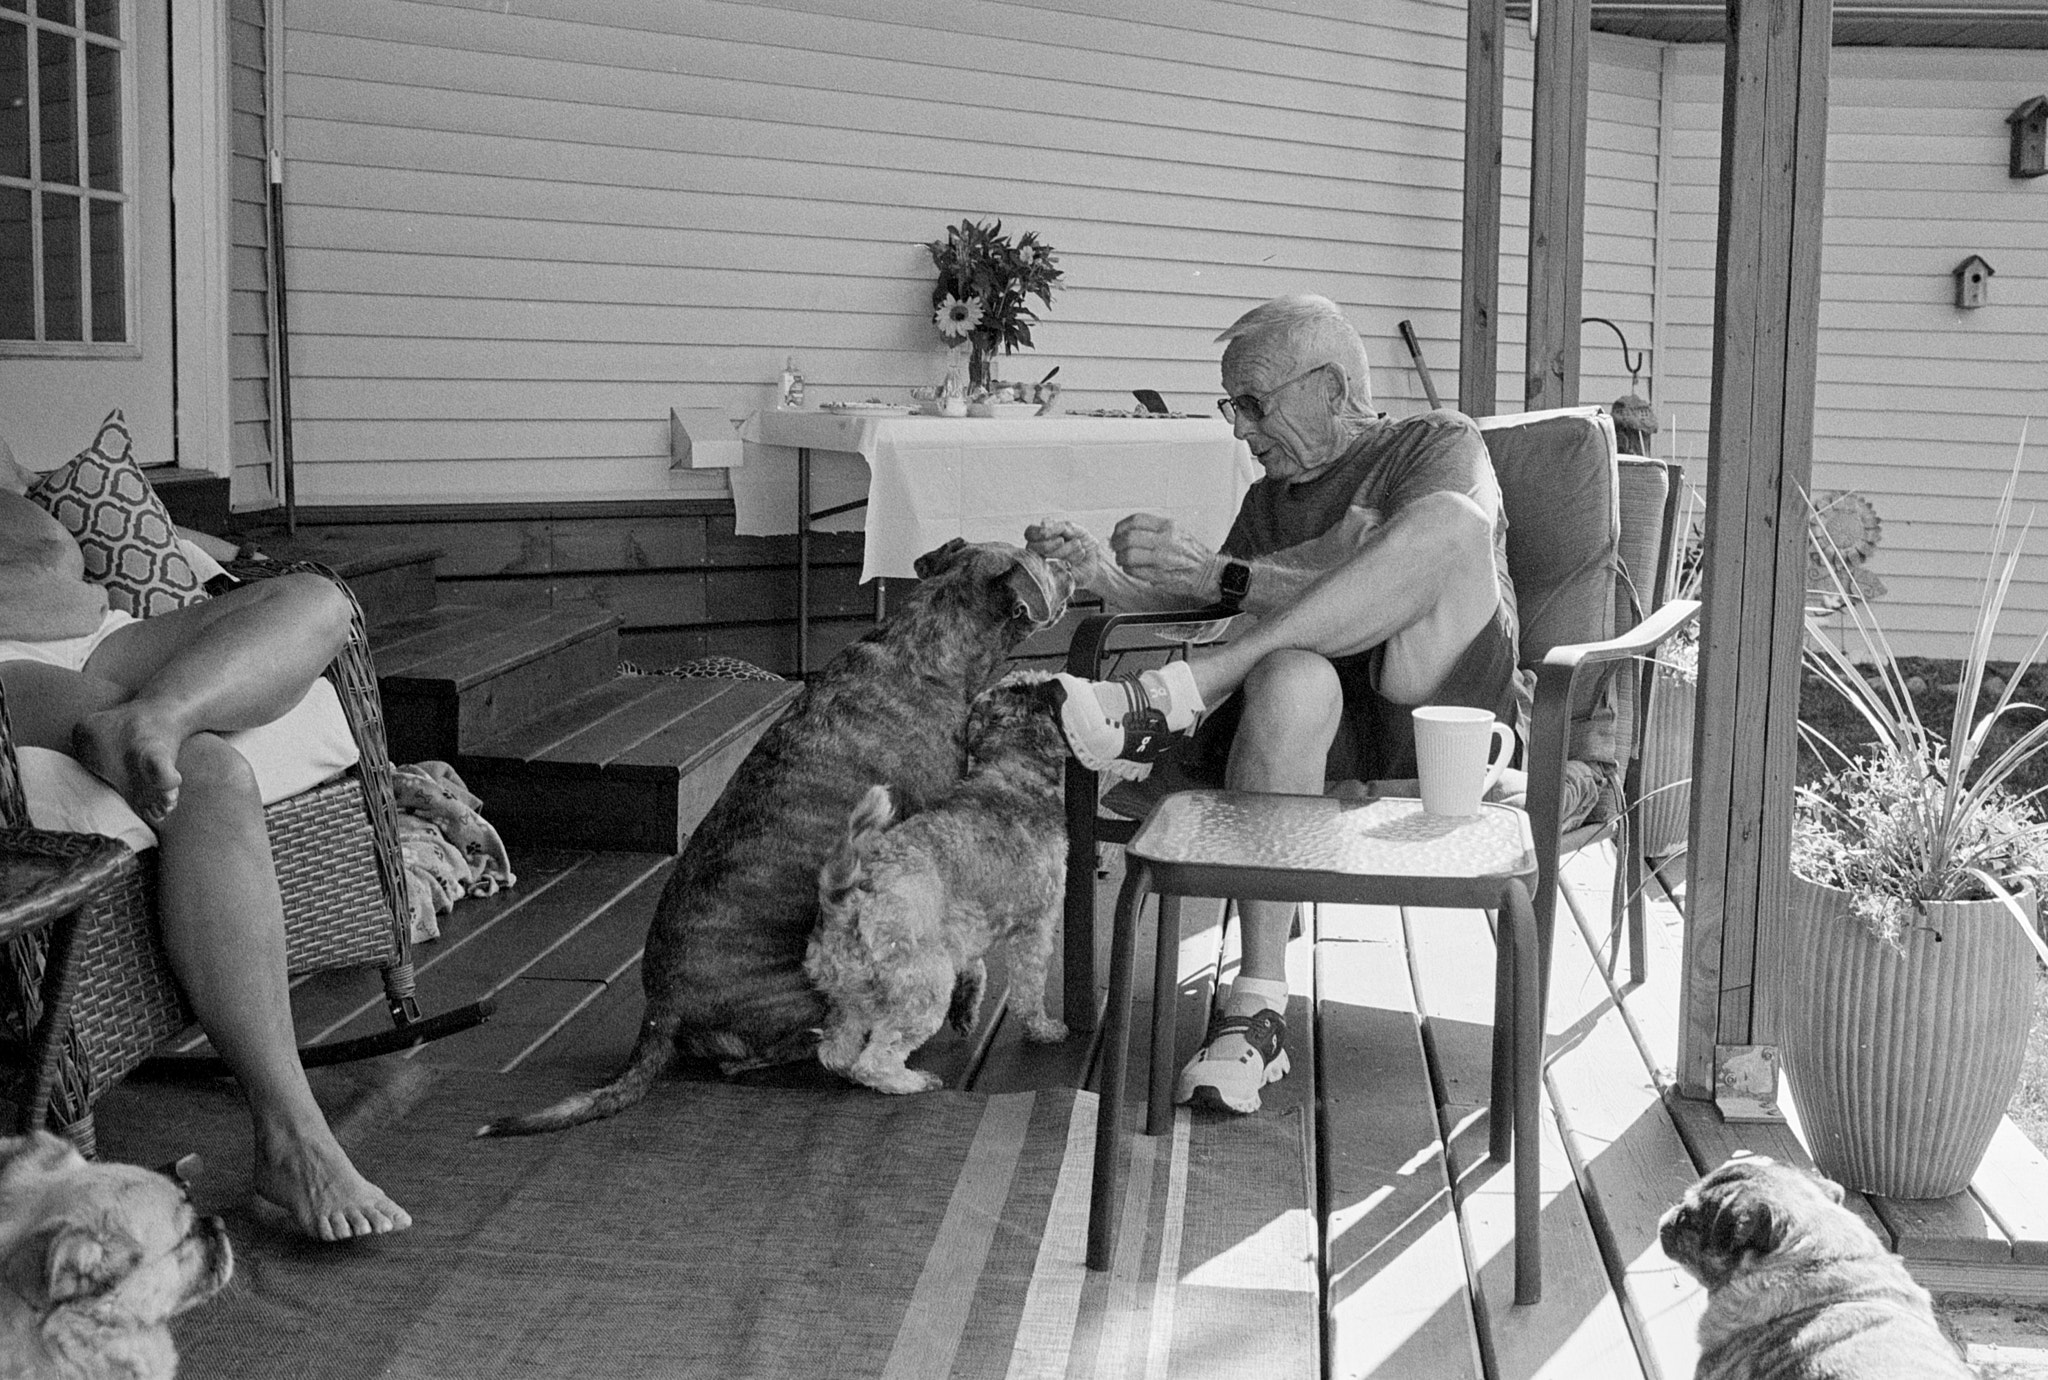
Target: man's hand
1055,538
1152,551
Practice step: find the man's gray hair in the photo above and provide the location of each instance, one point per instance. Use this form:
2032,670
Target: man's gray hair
1310,330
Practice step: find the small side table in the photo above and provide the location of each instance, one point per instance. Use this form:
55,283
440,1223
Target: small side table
1252,846
45,880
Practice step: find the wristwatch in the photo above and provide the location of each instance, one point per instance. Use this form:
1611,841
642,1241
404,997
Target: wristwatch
1234,583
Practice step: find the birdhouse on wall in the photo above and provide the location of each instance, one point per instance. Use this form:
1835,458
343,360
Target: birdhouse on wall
1973,282
2030,137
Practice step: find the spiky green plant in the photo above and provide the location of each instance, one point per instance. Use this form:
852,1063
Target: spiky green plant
1921,817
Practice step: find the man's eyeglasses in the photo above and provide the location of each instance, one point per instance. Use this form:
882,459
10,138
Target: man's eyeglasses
1253,405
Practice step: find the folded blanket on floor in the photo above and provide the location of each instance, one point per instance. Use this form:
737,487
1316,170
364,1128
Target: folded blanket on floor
451,850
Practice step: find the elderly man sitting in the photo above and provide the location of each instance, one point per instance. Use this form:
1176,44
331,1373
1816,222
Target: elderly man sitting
1373,554
142,705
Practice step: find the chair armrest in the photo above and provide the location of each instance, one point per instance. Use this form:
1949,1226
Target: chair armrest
1557,677
1643,638
355,683
1091,637
44,875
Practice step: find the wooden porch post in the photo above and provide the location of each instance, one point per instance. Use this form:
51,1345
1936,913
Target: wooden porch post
1479,321
1557,201
1760,441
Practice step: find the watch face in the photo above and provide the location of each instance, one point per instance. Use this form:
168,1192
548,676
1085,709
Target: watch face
1236,580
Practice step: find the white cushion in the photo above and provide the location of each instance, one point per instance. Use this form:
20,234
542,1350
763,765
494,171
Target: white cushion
295,753
203,565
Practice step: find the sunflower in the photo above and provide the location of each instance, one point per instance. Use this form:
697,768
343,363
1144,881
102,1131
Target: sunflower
955,318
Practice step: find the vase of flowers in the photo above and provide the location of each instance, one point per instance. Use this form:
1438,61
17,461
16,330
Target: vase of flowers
1912,927
984,286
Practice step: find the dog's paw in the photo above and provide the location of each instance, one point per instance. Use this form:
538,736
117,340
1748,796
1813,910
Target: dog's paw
1044,1030
900,1081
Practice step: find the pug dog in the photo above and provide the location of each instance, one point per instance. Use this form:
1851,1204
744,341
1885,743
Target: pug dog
1798,1287
95,1259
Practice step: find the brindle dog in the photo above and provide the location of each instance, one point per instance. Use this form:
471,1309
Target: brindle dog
723,970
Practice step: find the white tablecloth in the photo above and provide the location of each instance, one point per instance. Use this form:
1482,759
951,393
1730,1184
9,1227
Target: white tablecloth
930,479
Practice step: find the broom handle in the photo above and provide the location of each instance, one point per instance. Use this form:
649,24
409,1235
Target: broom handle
1415,352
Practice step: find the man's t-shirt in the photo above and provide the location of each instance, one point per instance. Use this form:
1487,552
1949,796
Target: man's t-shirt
1390,465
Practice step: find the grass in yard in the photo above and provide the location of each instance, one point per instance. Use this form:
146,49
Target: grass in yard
1934,694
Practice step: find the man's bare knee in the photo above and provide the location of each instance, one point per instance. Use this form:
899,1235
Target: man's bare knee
1292,703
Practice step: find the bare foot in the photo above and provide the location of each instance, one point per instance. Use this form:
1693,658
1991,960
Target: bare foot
136,753
317,1185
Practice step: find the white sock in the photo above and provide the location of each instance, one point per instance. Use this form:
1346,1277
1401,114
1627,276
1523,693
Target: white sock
1250,995
1172,690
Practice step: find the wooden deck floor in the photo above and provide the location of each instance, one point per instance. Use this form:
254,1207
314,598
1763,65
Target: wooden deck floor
1414,1276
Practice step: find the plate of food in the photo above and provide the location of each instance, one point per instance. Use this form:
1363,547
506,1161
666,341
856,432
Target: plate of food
871,407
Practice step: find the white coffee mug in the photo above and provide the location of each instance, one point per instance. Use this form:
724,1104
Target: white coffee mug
1453,745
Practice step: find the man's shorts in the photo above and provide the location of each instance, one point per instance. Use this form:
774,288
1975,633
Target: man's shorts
66,653
1375,736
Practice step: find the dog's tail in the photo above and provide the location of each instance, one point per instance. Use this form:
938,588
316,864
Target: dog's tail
846,868
652,1054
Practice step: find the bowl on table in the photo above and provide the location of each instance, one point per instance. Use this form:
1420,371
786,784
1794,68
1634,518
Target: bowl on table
1003,409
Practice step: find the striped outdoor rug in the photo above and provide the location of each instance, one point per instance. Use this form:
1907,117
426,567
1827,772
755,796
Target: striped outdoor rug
732,1232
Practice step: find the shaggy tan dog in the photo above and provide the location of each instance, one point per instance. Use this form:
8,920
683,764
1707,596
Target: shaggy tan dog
94,1260
906,913
1798,1288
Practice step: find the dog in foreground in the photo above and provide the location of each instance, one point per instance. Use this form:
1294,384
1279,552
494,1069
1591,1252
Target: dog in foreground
724,965
1798,1287
95,1259
906,912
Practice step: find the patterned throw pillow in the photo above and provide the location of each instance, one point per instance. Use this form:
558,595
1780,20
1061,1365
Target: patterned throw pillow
129,541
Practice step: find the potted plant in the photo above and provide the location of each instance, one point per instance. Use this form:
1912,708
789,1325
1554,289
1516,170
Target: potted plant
983,289
1910,979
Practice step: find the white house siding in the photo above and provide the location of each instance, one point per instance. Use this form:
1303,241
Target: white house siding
516,240
248,268
1920,404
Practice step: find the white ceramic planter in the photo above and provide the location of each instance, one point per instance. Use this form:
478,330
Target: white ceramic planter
1902,1064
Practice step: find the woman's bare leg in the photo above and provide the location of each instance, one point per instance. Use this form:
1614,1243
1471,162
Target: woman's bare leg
234,662
223,926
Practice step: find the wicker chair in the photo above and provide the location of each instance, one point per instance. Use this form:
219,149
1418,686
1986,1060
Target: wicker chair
343,881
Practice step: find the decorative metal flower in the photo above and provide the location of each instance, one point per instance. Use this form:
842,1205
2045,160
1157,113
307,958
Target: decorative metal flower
955,318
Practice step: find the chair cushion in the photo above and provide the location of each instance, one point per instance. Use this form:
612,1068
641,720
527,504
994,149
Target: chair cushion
130,544
1557,481
290,755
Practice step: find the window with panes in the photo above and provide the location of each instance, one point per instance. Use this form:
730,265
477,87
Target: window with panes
66,218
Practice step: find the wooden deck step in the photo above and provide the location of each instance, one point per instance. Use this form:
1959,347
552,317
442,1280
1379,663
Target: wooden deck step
391,580
455,675
633,762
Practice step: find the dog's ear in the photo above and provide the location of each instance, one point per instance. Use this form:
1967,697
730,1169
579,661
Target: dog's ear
1742,1224
81,1264
933,561
1038,592
37,1149
65,1263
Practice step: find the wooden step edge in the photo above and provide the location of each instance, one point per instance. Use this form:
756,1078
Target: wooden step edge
481,760
500,653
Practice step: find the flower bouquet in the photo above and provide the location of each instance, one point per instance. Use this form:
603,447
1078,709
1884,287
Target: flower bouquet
984,282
